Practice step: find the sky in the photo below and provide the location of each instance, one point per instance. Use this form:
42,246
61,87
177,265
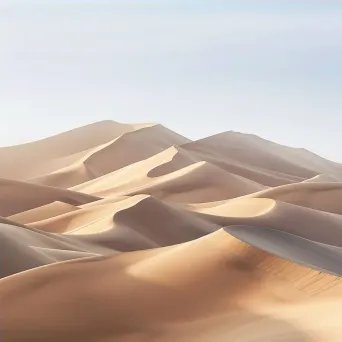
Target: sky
272,68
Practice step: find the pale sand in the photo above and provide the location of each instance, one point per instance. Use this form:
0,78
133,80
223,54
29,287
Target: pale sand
113,232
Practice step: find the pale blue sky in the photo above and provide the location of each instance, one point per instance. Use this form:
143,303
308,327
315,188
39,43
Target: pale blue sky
272,68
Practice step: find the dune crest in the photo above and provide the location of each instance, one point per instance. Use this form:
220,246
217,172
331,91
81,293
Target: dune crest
134,233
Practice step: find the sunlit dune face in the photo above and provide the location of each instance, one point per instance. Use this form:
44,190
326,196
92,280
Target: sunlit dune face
242,208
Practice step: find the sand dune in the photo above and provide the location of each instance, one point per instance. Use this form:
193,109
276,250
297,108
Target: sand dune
44,212
257,174
158,165
16,197
324,258
323,178
127,148
214,281
129,222
134,233
320,196
63,145
23,248
248,149
173,175
268,155
264,212
198,182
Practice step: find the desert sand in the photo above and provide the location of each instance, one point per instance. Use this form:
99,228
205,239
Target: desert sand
134,233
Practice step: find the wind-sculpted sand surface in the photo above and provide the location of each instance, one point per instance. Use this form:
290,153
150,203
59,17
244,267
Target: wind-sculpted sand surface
133,233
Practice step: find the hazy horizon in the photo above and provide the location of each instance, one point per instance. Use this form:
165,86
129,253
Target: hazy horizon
199,68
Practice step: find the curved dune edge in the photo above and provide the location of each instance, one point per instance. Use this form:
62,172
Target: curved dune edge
315,255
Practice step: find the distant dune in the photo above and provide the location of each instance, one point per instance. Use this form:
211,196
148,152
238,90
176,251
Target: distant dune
134,233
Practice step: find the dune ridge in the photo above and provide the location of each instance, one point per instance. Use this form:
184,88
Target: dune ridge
52,149
134,233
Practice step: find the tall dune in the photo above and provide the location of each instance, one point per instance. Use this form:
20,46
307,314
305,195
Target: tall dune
138,173
128,148
41,155
248,149
257,174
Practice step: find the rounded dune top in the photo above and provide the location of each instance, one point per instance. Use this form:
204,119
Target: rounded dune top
259,152
33,155
88,135
104,126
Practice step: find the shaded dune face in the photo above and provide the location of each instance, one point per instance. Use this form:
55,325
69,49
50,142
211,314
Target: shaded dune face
134,233
322,257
